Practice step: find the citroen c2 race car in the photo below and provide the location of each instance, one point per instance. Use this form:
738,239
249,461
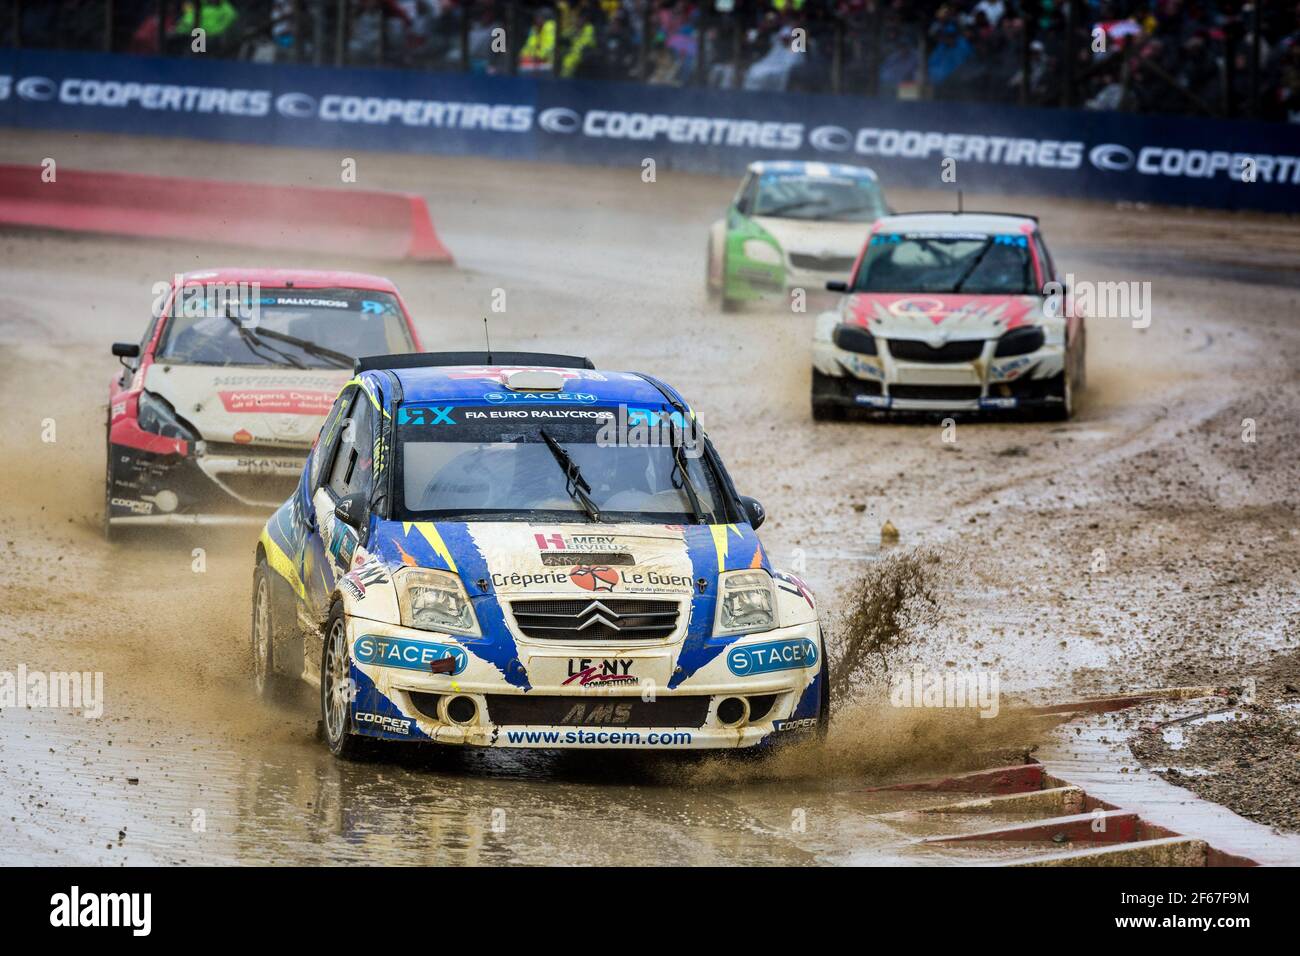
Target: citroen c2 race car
521,551
214,411
791,225
949,312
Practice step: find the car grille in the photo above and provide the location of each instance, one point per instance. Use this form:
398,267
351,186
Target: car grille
592,711
821,263
603,619
936,393
909,350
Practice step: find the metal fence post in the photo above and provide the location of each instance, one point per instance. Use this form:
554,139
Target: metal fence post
643,54
837,58
1067,58
464,37
341,34
1253,110
1024,54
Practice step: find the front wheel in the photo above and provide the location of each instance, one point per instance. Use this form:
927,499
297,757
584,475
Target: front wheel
824,410
1062,387
338,690
824,705
269,685
109,531
712,289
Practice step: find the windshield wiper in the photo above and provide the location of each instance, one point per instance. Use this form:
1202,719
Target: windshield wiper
679,468
574,483
311,348
253,342
970,270
786,207
860,207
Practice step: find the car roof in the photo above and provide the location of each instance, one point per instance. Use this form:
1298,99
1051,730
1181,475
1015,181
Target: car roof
301,278
980,222
472,383
811,168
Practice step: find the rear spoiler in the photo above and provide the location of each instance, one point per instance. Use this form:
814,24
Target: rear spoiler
439,359
965,212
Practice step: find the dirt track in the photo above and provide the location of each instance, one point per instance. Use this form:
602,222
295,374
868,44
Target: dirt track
1143,543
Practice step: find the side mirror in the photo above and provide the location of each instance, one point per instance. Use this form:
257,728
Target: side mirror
351,510
753,511
126,349
837,285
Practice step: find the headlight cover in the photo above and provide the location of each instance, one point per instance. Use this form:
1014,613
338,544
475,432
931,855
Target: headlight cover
761,251
1020,341
155,414
434,601
746,602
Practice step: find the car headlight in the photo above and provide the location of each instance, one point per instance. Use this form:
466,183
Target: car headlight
1020,341
746,602
434,601
155,414
760,251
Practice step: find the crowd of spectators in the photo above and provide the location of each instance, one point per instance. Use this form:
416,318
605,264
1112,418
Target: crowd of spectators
1152,56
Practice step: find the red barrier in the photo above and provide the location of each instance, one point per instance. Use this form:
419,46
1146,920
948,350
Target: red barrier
367,223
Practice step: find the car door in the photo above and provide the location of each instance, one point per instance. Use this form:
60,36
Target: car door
317,567
351,472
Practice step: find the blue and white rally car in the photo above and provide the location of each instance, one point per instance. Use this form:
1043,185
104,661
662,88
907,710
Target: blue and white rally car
517,550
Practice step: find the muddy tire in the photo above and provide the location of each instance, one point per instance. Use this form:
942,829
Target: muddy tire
338,691
110,533
712,292
824,410
824,705
269,685
1062,387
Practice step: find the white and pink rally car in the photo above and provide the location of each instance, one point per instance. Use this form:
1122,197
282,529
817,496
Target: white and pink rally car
949,312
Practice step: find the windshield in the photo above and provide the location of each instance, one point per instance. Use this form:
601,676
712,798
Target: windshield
346,322
471,462
830,198
933,262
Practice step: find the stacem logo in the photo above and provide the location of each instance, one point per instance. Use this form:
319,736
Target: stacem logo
772,656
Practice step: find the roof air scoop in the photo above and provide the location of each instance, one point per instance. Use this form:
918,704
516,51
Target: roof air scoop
534,380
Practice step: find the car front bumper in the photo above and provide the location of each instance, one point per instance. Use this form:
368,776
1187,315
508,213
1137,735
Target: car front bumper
220,485
986,384
405,702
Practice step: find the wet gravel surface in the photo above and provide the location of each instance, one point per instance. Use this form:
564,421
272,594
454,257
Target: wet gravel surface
1143,543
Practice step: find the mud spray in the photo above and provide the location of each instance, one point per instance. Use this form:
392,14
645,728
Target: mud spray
885,614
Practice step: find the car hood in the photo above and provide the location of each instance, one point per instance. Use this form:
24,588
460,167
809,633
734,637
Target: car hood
274,406
942,317
824,239
513,558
